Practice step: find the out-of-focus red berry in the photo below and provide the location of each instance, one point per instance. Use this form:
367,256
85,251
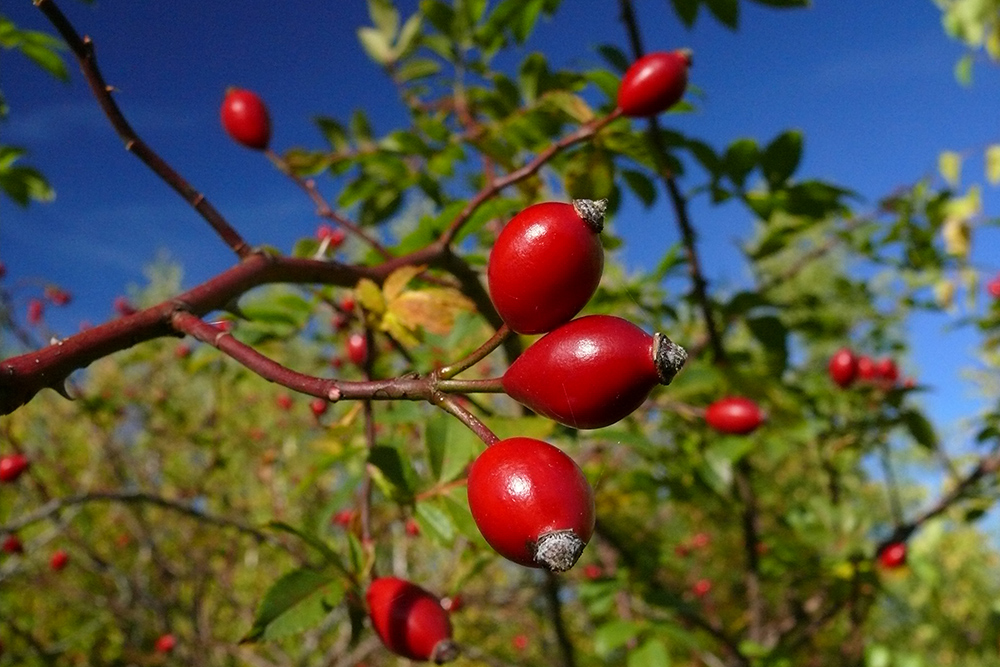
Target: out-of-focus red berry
35,311
701,588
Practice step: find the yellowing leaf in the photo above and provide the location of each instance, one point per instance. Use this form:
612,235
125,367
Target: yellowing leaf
370,296
950,166
944,293
993,164
395,328
398,280
433,308
957,235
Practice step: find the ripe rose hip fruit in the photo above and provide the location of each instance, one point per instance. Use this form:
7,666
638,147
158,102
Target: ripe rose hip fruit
735,415
245,118
592,371
59,560
701,588
866,368
843,367
318,407
410,621
887,370
654,83
166,643
12,545
893,556
992,287
546,264
357,348
35,310
532,503
12,466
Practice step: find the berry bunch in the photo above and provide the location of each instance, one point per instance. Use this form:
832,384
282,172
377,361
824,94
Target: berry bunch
846,367
531,501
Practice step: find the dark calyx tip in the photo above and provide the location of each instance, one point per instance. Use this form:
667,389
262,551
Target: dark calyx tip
444,651
558,550
668,356
688,55
592,212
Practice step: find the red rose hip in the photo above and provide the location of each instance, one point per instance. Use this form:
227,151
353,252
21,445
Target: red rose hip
654,83
59,560
893,555
166,643
734,415
410,621
843,367
532,503
593,371
546,264
245,118
12,466
357,349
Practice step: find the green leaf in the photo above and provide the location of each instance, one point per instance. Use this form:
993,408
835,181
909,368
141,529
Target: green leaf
297,601
920,428
963,70
384,16
641,185
450,447
781,158
741,157
614,57
686,10
333,131
436,521
613,635
773,335
417,68
530,75
394,468
589,174
726,11
652,653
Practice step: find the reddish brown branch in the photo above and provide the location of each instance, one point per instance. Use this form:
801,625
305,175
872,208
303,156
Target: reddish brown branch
83,49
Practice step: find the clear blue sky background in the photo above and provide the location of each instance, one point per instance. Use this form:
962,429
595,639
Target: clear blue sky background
870,84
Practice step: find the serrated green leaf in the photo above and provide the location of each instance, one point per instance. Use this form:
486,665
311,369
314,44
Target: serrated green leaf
450,447
396,470
297,601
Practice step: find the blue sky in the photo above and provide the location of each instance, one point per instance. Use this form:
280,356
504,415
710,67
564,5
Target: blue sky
871,85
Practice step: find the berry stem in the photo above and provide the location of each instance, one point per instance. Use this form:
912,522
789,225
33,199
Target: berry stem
477,355
450,404
483,386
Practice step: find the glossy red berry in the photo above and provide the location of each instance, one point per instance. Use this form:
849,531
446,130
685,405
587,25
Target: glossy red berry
12,466
532,503
735,415
318,406
166,643
592,371
886,369
410,621
546,264
245,118
35,310
843,367
654,83
12,545
893,555
59,560
357,348
866,368
701,588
